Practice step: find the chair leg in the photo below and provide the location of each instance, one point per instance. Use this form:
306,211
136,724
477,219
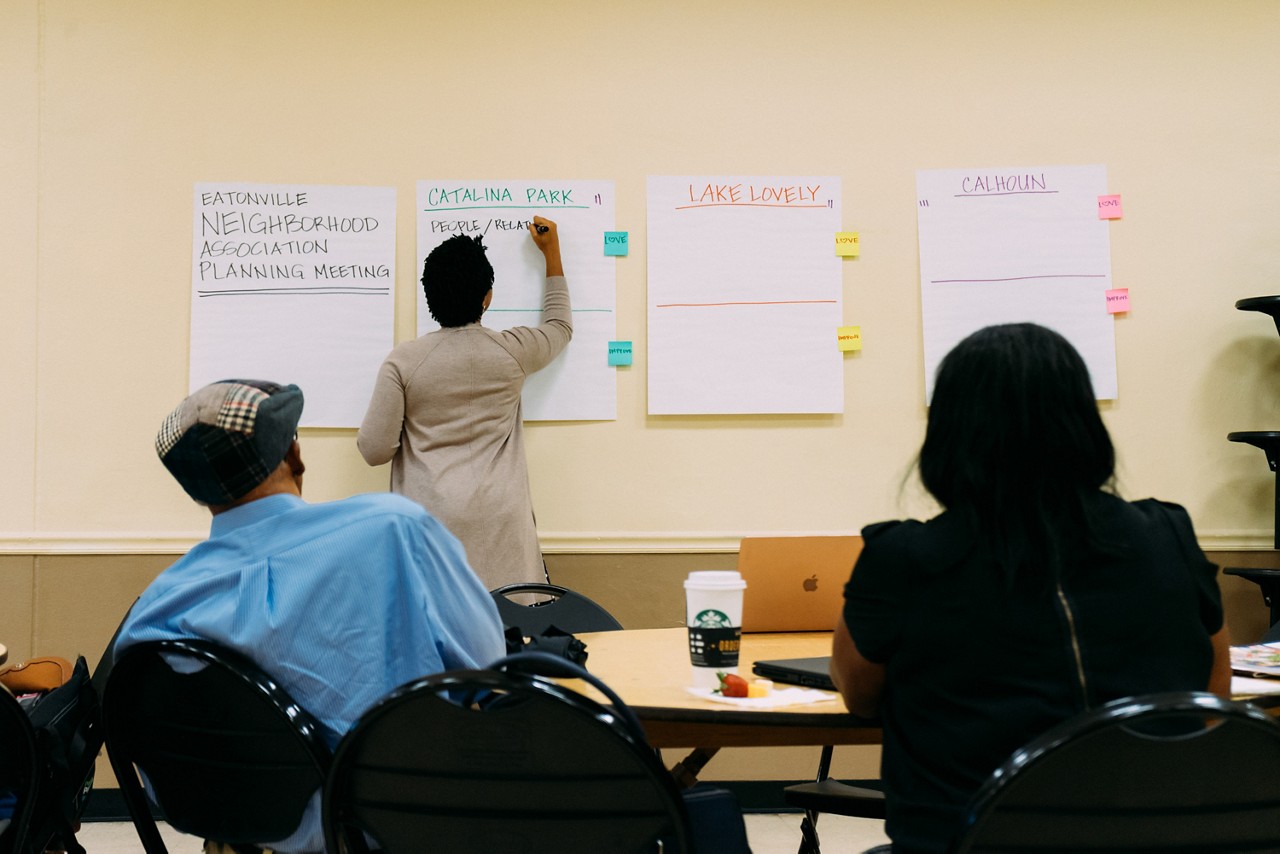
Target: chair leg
139,809
809,834
809,824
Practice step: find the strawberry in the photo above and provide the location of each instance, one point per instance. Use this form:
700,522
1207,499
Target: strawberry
732,685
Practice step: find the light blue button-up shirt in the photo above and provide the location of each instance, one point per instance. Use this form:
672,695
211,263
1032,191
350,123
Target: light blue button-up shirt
339,602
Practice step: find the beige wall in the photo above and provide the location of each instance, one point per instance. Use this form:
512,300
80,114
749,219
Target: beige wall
118,108
19,289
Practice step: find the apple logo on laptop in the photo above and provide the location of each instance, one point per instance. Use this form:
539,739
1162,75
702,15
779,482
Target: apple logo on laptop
811,584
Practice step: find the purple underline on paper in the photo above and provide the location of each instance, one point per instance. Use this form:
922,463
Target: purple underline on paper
539,311
1021,278
1014,193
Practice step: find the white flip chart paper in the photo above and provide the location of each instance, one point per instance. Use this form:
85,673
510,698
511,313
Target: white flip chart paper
1015,245
294,284
744,295
579,385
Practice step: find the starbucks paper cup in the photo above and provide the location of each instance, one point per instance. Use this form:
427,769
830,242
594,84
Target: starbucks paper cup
713,613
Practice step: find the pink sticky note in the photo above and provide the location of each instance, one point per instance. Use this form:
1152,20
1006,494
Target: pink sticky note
1109,207
1117,300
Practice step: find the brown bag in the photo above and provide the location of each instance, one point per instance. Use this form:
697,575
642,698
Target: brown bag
37,675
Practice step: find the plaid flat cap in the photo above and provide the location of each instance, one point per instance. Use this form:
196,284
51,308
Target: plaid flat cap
228,437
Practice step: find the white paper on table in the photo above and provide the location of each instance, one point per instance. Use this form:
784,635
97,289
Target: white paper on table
294,284
1249,686
579,385
1015,245
777,698
744,295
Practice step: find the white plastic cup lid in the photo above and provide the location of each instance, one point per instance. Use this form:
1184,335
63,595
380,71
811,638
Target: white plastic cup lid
715,580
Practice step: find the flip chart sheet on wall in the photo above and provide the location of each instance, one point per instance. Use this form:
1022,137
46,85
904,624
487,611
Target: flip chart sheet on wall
744,295
579,385
1012,245
294,283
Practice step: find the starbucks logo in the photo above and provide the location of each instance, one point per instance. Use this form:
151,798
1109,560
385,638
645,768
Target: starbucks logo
712,619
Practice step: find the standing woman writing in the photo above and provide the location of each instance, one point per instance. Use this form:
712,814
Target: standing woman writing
446,408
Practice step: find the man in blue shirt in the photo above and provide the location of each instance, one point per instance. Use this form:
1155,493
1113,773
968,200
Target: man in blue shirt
340,602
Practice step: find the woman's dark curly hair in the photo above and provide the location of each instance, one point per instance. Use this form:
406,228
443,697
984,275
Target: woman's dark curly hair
456,276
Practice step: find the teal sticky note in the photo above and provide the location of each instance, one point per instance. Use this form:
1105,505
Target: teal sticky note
619,353
615,243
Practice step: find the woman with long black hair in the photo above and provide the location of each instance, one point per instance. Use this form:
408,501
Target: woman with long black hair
1037,593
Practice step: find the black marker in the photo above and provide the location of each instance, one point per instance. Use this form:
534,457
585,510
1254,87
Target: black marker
542,229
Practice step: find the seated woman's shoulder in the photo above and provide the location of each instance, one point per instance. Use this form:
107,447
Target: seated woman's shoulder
1152,508
878,530
898,533
944,524
936,543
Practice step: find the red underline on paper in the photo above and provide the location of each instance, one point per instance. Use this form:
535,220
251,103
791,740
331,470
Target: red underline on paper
745,205
1022,278
762,302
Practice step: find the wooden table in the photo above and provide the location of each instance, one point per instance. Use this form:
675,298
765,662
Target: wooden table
650,670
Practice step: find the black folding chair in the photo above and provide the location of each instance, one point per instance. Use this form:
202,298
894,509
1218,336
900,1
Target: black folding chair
499,760
226,753
566,610
1170,773
860,799
20,775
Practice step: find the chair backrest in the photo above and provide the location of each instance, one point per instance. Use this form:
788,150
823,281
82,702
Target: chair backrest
1185,772
226,753
482,760
19,764
1272,634
566,610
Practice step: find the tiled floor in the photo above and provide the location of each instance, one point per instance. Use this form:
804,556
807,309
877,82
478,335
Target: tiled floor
768,833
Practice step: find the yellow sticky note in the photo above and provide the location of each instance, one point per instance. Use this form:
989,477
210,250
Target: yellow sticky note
850,338
847,245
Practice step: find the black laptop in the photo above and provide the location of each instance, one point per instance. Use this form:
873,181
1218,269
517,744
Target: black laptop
809,672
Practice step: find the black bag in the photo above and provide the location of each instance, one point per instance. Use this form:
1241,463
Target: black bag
716,820
68,728
553,640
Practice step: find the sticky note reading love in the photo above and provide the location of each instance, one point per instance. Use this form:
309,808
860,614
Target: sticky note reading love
619,353
1117,301
615,243
847,245
1109,207
849,338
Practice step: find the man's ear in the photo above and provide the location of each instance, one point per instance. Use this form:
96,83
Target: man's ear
293,457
